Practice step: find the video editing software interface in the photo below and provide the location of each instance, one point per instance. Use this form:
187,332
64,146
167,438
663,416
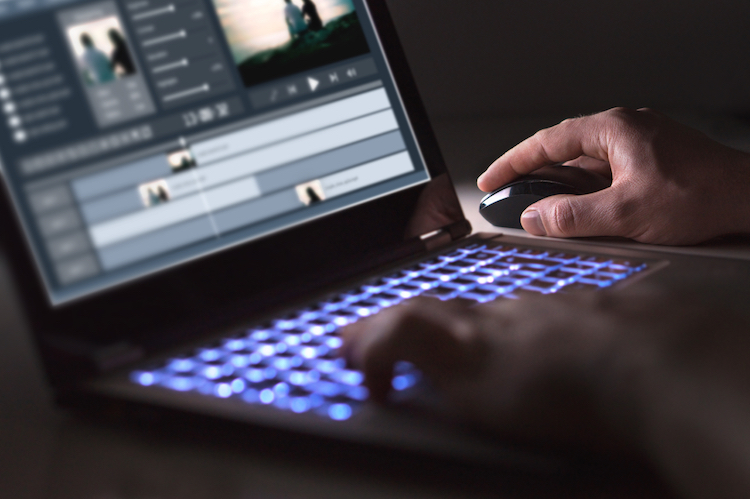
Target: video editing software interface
136,135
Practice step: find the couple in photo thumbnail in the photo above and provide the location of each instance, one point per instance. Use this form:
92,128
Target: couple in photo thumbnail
302,21
102,52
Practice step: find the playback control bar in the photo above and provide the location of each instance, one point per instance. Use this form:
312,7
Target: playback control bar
313,83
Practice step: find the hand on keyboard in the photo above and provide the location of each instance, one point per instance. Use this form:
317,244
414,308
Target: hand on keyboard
527,368
660,375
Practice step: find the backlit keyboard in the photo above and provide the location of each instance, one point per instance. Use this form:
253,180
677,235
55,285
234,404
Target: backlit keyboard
293,364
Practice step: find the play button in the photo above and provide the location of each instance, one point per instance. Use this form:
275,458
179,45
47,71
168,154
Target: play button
313,84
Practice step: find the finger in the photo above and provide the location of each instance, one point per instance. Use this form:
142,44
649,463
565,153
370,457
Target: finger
594,165
421,333
567,141
575,216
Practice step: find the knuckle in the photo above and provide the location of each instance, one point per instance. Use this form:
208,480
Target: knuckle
622,117
542,137
629,124
568,121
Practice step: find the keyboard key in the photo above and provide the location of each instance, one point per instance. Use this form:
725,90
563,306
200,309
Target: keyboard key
462,283
481,295
636,266
385,300
500,248
463,264
377,285
405,381
480,277
405,291
519,261
599,280
500,286
300,378
425,282
339,411
618,270
326,366
444,271
596,259
531,271
347,377
581,267
474,247
544,286
532,253
326,388
442,292
497,268
362,309
563,275
611,276
563,257
484,256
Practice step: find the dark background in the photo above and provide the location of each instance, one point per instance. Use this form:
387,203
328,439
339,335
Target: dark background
490,57
493,72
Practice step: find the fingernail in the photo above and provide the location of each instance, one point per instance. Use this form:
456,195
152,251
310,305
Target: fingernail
532,222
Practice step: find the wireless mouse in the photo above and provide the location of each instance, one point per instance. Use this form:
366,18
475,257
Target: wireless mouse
503,207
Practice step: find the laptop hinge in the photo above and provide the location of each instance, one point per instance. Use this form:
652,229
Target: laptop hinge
436,239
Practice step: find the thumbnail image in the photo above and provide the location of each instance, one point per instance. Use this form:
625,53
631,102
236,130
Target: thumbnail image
101,51
311,192
271,39
181,160
154,193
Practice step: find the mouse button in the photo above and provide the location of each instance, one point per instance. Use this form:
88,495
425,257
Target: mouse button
494,197
507,212
519,187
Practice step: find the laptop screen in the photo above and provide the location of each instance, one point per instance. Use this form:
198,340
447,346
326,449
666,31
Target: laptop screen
137,135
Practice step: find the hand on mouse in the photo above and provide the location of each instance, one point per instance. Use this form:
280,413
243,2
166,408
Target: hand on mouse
670,184
647,373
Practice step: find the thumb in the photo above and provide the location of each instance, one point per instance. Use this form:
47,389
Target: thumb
573,216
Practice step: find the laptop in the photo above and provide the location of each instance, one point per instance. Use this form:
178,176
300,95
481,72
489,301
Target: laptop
198,195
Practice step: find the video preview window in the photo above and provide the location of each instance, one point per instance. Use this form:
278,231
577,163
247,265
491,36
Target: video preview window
101,51
271,39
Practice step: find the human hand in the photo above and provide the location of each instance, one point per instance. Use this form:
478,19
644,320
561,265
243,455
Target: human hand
670,184
661,375
518,369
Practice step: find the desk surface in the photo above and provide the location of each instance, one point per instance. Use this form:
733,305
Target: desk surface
46,452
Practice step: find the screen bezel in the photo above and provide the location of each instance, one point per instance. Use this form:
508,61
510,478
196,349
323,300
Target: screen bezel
160,310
